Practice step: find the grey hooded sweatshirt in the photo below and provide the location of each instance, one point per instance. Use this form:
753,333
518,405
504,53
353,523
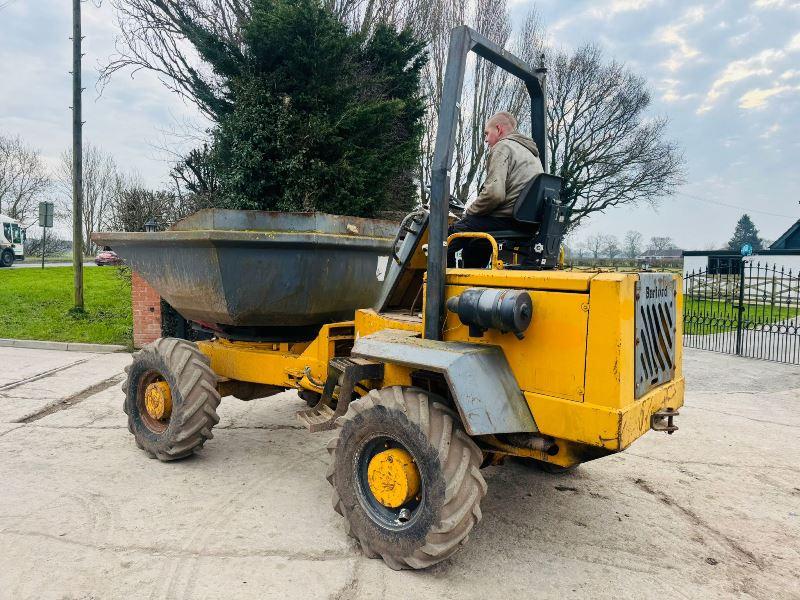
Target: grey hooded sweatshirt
512,162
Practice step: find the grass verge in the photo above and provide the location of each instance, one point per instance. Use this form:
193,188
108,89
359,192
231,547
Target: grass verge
36,304
704,317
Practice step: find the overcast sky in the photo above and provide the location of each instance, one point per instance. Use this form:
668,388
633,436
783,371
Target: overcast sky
726,73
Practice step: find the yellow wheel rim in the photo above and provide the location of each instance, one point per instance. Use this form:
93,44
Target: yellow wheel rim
158,400
393,477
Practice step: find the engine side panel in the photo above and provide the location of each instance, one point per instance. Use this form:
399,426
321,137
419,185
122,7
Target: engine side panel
551,358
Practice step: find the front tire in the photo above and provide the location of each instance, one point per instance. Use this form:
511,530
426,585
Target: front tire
433,524
6,258
175,428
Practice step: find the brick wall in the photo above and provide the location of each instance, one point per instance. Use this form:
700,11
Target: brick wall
146,305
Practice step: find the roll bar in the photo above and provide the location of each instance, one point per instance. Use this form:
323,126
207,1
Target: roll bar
464,40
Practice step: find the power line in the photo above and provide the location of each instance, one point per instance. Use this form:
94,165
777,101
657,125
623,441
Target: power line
742,208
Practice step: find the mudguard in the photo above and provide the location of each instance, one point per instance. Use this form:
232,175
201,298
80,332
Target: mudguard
480,379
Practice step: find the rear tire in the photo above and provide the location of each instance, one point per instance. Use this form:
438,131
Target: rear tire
447,506
6,258
194,398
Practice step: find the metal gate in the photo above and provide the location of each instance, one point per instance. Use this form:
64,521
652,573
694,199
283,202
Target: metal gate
743,308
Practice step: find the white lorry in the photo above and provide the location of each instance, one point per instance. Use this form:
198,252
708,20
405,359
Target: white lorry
12,238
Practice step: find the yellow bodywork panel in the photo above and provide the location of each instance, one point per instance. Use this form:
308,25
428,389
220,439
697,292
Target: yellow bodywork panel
610,349
575,364
610,353
563,281
610,428
396,375
280,364
635,419
368,321
551,358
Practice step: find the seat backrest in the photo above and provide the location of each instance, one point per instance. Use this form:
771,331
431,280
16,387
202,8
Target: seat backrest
529,207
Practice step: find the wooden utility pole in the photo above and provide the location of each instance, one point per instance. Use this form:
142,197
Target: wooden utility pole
77,156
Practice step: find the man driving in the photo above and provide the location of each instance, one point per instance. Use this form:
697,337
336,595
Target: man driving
512,162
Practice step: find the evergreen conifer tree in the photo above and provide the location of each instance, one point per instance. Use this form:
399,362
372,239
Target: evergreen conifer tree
745,233
310,116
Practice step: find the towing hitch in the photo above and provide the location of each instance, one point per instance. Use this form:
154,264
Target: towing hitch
662,421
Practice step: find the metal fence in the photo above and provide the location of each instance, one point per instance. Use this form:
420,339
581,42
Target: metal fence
743,308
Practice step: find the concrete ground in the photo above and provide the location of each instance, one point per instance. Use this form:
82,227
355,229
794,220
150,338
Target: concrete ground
710,512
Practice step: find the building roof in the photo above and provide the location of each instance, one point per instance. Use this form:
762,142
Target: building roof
724,253
789,240
669,253
710,253
780,251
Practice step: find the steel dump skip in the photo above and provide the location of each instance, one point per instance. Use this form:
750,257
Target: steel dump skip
262,269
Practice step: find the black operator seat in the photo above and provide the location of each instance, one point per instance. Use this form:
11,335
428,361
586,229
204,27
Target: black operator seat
530,205
541,220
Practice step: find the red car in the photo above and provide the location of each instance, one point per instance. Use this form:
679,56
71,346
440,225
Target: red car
107,257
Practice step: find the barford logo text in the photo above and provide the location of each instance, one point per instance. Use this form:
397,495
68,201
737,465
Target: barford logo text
655,293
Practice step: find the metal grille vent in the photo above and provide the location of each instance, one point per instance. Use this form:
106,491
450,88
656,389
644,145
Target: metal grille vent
655,331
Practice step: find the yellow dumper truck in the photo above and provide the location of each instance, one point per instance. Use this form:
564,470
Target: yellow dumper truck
423,373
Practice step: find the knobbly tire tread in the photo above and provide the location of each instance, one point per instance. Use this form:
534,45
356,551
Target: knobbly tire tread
452,464
194,398
7,258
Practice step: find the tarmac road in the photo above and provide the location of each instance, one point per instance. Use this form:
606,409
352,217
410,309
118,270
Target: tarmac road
710,512
30,263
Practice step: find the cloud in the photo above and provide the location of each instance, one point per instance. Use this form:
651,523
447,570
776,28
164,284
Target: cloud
739,70
599,10
673,96
670,91
674,35
767,4
738,40
770,131
614,7
760,65
758,98
35,58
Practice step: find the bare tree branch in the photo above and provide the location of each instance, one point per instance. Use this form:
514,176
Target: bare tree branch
487,89
600,141
100,181
133,205
632,246
23,178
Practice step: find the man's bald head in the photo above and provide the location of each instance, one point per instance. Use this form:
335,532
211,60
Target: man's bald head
499,126
504,119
